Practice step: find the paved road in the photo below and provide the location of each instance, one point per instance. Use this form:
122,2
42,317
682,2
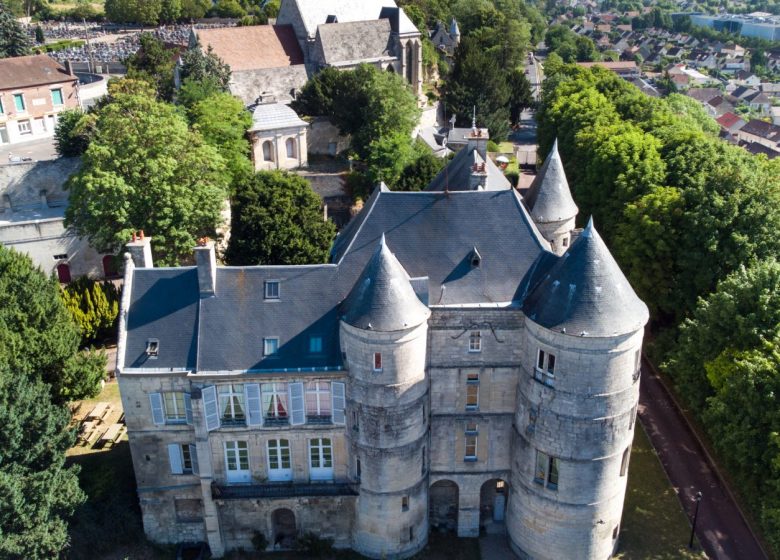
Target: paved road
720,528
38,150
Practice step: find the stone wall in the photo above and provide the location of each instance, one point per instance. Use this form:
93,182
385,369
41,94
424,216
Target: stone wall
324,138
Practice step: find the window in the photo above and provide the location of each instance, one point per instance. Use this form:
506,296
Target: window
624,461
475,341
472,428
231,403
546,471
183,458
471,447
405,503
19,102
357,470
24,127
279,464
272,289
321,459
270,346
60,257
377,361
315,345
152,347
566,241
318,401
2,111
56,97
292,152
237,461
355,421
472,391
174,408
545,368
422,461
274,397
268,151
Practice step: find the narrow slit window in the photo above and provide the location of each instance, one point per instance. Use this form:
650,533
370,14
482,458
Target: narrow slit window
405,503
377,361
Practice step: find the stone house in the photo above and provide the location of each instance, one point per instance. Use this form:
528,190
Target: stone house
278,137
33,90
760,132
467,359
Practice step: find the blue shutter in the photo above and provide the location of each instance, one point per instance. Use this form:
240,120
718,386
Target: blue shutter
174,455
188,407
210,407
339,402
194,459
254,407
158,416
297,411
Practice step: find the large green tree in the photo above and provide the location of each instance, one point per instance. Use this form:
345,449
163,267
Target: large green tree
162,178
13,39
37,492
153,63
200,66
277,219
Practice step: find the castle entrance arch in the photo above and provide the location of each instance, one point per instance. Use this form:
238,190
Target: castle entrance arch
284,529
443,506
493,496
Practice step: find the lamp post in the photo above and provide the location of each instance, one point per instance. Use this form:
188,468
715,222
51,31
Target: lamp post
695,517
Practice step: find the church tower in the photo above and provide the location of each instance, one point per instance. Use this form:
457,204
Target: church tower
384,330
550,203
576,406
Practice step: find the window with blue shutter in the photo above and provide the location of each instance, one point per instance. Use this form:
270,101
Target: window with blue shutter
253,404
210,407
339,402
158,414
297,408
188,407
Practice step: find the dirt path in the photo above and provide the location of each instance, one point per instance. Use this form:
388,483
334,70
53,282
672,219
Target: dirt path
721,529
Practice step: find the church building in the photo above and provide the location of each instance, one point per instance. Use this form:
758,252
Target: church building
467,360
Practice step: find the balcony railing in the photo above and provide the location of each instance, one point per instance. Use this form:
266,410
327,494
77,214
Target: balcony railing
281,490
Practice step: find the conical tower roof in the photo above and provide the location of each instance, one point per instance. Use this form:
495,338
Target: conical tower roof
382,299
549,198
586,294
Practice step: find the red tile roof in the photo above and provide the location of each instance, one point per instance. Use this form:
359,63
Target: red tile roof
253,47
727,120
25,71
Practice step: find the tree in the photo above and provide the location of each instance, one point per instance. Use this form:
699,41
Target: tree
204,67
72,132
153,63
161,178
37,492
229,9
520,96
277,219
691,110
170,11
39,37
194,9
13,39
420,172
94,307
38,338
223,120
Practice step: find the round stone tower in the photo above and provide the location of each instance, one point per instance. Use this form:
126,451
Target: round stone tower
384,336
576,406
550,203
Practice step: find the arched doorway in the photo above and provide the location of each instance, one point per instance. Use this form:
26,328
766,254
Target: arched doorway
284,531
493,496
443,506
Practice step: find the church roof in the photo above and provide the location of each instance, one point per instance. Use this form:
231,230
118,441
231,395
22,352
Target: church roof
316,12
252,47
456,176
271,116
549,197
584,292
383,299
351,42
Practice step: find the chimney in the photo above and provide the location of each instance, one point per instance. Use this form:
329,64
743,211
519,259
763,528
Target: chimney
478,176
140,250
69,67
206,260
478,138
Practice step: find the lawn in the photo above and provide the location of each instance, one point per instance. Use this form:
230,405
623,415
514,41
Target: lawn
654,524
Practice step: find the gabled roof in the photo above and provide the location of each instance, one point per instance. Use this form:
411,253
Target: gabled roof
383,299
549,197
25,71
253,47
456,175
351,42
729,120
762,129
584,292
316,12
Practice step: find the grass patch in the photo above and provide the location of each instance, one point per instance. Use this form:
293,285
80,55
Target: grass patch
654,524
506,147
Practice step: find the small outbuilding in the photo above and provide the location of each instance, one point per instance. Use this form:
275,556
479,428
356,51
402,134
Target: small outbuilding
278,138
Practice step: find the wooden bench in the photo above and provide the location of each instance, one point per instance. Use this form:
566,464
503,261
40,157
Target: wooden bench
112,435
100,410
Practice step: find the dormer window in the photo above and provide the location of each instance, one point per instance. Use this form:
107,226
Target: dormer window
475,257
152,347
270,346
272,289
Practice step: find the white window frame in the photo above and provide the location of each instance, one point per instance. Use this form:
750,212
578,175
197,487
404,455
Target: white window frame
24,102
269,343
238,452
276,448
277,394
475,341
544,368
272,289
183,458
62,97
472,386
232,407
470,441
547,468
320,465
322,397
24,126
174,406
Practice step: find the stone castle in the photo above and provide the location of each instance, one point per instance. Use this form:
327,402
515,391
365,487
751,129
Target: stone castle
467,361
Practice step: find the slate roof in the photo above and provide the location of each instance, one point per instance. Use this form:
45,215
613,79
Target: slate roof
315,12
279,83
456,176
584,292
25,71
383,299
270,116
253,47
762,129
549,197
351,42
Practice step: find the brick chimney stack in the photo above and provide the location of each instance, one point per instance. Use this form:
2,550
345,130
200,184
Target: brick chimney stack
478,138
478,176
140,249
206,260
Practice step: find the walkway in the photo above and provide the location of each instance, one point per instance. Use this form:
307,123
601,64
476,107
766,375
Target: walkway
721,529
495,547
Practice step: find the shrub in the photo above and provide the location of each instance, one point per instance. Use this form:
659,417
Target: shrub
259,541
314,546
94,306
